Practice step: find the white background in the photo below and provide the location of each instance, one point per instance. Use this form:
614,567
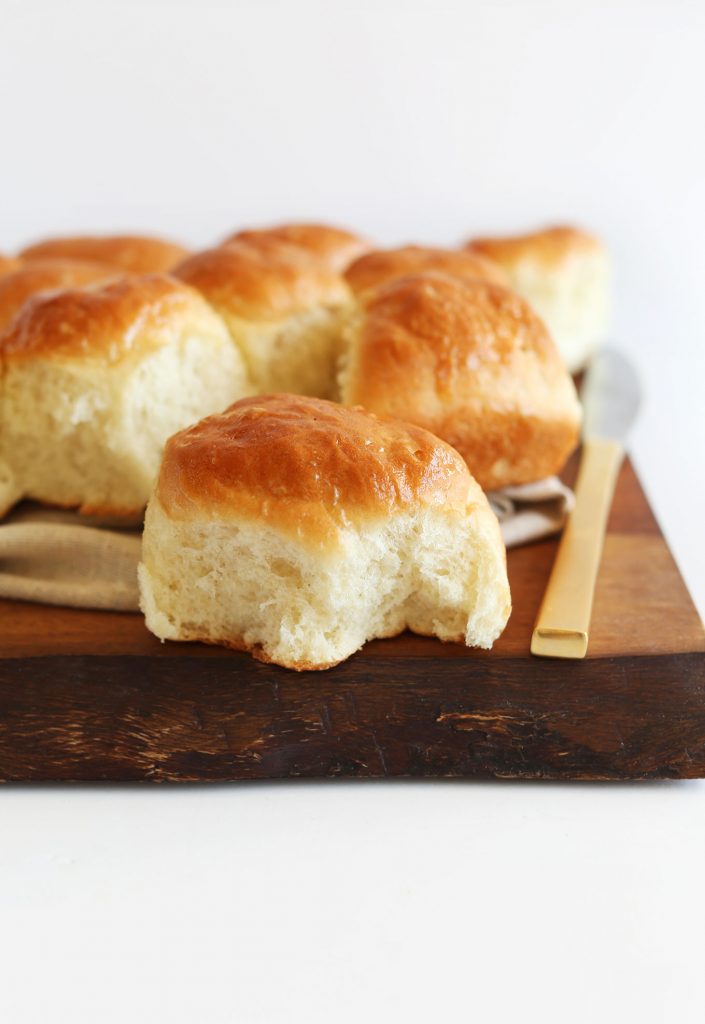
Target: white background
408,121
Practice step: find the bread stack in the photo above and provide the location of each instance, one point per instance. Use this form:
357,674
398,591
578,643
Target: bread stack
356,403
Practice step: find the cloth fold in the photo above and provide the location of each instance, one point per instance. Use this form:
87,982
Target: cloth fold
532,511
57,557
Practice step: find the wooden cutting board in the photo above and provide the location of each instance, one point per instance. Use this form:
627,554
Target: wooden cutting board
93,696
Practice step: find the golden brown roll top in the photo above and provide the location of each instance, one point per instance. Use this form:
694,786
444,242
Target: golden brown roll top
471,362
135,254
332,247
382,265
565,274
306,466
121,320
46,275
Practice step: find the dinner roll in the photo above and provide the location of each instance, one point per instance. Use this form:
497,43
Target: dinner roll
135,254
93,382
565,275
471,362
335,248
297,529
281,308
46,275
381,265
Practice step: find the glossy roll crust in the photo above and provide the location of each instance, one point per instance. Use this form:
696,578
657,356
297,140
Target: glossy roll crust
45,275
122,320
333,247
136,254
382,265
253,283
471,362
306,466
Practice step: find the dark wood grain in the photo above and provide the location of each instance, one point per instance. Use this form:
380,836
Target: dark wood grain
176,719
93,696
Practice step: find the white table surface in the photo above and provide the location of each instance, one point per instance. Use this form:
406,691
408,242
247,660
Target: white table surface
413,901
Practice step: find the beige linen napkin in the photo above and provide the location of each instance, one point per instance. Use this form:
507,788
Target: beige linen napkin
52,556
532,511
57,557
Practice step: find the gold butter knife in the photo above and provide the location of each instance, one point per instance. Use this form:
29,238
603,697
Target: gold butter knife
610,396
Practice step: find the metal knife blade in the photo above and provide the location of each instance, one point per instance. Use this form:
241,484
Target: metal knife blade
611,396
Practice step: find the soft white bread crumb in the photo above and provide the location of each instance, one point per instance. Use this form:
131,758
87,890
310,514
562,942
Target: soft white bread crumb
298,354
300,545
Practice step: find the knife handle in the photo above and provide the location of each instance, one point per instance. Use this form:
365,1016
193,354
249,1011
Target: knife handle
563,623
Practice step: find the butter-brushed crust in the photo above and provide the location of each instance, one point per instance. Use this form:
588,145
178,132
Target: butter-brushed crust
333,247
382,265
471,362
119,320
46,275
307,466
137,254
